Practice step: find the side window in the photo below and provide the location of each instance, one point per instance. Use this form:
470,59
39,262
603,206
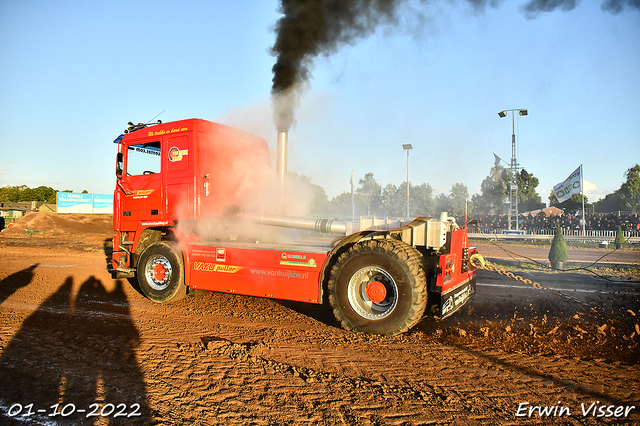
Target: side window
143,159
119,165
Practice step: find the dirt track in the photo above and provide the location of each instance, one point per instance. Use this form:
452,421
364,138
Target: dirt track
69,334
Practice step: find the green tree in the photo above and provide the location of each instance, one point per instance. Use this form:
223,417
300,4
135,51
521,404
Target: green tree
11,194
495,192
458,200
630,190
391,201
421,200
626,198
340,205
443,203
319,203
573,203
45,193
371,192
610,203
22,193
493,189
620,240
558,251
27,194
394,200
528,197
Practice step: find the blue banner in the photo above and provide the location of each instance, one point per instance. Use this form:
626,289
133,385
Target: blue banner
69,202
103,203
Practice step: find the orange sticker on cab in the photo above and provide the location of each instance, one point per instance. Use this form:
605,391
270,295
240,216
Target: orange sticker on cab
140,193
176,154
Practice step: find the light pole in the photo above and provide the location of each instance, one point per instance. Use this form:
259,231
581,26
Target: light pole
407,147
513,184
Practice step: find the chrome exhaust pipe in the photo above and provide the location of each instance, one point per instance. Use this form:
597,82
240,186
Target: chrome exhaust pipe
281,156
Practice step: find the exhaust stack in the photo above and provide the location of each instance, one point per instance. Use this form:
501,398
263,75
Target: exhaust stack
281,160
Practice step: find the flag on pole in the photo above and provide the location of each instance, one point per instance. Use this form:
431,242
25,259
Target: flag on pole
496,160
571,185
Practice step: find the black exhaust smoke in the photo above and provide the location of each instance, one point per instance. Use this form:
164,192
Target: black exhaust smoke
534,7
309,28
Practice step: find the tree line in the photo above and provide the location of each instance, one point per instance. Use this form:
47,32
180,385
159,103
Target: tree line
373,198
22,193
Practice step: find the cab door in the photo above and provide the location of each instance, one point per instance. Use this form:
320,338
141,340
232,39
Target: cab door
141,183
179,178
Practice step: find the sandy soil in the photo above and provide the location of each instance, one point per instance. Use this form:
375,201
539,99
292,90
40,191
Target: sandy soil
72,336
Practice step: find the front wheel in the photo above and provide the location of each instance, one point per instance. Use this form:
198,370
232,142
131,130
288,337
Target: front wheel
161,273
378,286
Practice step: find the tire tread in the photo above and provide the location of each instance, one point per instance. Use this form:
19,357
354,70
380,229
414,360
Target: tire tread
408,256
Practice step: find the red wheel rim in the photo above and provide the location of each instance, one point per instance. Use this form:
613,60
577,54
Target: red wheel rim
376,291
159,272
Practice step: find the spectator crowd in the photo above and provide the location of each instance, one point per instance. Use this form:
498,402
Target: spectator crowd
541,222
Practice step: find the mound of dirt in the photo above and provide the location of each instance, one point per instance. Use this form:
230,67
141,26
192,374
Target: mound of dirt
592,335
54,224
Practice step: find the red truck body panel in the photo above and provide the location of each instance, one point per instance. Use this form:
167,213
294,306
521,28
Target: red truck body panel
279,273
455,280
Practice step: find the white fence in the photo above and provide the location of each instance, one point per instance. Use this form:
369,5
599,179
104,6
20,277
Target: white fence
547,234
579,233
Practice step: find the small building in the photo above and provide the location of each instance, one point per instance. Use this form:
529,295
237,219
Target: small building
47,207
14,211
549,211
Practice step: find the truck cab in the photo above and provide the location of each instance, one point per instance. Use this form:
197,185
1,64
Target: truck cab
179,184
182,170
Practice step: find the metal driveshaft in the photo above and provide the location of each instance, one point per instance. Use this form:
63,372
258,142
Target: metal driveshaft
323,225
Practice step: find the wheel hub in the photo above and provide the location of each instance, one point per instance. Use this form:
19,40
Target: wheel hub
158,272
376,291
372,293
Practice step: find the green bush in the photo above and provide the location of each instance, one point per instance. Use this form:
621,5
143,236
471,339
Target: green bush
619,241
558,252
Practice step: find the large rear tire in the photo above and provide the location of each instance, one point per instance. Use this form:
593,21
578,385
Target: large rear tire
161,273
378,286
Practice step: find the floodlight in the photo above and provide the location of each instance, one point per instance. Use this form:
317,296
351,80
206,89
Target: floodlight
502,114
407,147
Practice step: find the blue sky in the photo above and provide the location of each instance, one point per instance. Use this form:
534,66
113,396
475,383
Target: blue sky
74,73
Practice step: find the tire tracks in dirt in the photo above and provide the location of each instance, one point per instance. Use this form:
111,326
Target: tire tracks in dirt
431,380
228,359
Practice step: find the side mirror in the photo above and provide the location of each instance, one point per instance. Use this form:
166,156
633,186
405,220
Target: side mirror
119,165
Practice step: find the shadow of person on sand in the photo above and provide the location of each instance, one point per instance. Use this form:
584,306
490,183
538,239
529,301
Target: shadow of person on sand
15,282
77,350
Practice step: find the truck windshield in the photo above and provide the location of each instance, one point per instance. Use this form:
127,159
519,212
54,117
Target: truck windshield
143,159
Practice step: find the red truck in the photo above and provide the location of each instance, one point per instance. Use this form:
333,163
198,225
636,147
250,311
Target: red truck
179,206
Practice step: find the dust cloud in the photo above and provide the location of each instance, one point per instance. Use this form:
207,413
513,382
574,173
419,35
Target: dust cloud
241,185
